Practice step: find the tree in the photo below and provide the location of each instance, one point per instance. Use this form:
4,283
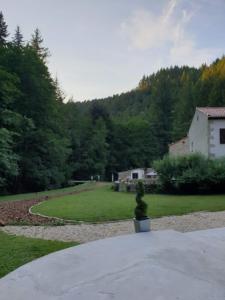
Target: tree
18,38
44,160
3,30
60,96
98,111
43,146
30,111
141,208
183,109
9,121
44,141
36,43
94,151
8,160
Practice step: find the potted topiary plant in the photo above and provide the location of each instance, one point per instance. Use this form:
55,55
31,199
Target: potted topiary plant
141,220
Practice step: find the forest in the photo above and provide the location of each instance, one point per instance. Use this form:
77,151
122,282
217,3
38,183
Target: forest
46,141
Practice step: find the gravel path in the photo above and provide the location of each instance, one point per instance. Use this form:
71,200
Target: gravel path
88,232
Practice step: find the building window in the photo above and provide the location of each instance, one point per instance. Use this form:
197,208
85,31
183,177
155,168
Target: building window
222,135
134,175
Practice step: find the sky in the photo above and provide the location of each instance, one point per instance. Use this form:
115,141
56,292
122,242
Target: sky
104,47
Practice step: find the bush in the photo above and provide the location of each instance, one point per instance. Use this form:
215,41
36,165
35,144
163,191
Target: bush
116,186
191,174
141,208
128,187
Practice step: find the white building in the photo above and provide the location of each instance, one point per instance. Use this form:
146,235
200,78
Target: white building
206,134
136,174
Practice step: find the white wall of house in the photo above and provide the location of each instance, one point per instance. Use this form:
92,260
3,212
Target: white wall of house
140,172
204,136
216,149
128,175
198,134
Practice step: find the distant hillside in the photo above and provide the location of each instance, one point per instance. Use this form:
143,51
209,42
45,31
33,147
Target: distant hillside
171,93
45,142
138,125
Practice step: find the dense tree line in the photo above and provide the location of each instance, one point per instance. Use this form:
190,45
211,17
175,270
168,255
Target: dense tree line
33,145
141,123
44,142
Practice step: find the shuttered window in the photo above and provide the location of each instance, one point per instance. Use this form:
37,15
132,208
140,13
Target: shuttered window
222,135
134,175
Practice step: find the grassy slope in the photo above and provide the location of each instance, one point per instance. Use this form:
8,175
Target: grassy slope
47,193
103,204
16,251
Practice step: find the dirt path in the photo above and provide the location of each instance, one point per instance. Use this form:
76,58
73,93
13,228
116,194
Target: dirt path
14,212
88,232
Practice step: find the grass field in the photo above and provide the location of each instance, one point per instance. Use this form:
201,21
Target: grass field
47,193
103,204
16,251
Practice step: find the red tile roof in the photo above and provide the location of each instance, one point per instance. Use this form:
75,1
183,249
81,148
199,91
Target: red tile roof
213,112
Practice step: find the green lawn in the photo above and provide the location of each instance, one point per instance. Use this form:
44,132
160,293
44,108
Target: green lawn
103,204
16,251
48,193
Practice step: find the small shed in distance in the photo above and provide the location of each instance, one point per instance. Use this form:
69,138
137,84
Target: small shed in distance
137,174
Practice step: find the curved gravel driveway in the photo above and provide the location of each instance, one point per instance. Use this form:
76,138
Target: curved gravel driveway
88,232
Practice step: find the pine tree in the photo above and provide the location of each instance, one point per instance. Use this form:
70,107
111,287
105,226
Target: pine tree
36,43
18,38
3,30
60,96
9,93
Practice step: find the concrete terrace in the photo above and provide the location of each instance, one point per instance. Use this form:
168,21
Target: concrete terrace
157,265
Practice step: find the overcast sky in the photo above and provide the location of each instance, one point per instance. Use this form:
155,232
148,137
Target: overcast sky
103,47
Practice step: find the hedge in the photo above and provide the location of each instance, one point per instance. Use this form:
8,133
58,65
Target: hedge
191,174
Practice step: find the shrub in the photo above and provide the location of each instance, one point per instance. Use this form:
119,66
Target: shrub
191,174
116,186
141,208
128,187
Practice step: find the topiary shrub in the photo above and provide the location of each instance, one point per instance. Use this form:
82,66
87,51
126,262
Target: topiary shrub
141,208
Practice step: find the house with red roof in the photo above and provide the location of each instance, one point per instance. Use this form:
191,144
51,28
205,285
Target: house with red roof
206,134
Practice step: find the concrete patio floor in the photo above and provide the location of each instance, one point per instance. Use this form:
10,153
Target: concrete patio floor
157,265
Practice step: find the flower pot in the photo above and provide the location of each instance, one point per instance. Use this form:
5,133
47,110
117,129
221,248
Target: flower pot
142,225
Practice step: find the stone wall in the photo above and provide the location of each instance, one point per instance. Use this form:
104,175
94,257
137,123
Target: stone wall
181,147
